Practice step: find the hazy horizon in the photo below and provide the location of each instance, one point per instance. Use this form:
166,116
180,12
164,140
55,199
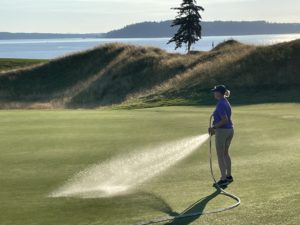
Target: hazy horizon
100,16
143,22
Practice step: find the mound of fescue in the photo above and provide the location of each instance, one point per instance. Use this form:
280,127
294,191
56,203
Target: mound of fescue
146,76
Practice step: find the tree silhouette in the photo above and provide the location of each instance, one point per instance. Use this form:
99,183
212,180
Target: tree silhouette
188,19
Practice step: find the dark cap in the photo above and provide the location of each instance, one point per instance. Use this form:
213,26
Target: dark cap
220,88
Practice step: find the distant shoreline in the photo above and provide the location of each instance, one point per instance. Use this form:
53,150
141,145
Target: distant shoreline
108,38
163,30
103,38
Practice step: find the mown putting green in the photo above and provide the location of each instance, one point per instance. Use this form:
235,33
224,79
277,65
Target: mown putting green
11,64
40,150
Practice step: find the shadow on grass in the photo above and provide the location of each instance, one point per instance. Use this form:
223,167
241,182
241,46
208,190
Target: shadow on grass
158,203
197,207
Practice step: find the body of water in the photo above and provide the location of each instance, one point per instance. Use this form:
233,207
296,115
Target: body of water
52,48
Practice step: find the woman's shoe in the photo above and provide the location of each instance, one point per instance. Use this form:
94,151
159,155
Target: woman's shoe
229,179
221,183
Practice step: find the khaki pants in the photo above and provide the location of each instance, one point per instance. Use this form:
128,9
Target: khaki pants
223,139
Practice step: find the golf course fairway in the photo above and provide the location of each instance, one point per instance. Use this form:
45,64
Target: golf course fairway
40,150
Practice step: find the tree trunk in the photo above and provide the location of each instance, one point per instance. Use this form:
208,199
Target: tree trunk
189,46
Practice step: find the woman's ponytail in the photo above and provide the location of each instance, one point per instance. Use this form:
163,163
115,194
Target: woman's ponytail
227,94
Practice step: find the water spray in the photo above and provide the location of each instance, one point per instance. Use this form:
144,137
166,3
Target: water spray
222,191
124,173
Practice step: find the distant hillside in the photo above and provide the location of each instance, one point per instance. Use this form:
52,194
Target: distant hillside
134,76
8,36
216,28
164,29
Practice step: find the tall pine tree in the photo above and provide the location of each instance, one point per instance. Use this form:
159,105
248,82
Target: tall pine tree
188,19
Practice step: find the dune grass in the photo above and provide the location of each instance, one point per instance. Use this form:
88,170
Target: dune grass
40,150
136,76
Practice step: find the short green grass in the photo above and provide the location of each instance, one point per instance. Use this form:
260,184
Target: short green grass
11,64
40,150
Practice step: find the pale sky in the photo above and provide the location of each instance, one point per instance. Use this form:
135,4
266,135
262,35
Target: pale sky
96,16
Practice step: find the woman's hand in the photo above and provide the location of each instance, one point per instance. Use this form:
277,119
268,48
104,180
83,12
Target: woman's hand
211,131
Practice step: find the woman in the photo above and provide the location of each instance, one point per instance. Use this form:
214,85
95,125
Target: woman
223,130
